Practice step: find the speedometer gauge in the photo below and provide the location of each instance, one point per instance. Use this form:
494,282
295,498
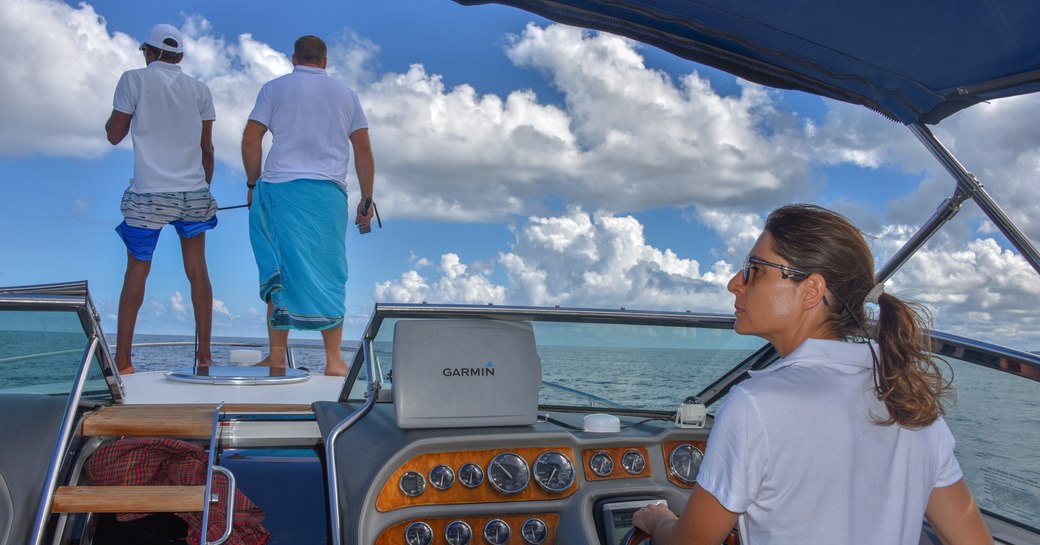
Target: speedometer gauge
508,473
684,462
553,471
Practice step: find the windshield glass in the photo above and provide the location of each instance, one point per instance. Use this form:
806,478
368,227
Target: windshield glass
647,367
41,352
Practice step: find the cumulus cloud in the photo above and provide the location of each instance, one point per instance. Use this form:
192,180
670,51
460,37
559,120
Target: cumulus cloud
576,259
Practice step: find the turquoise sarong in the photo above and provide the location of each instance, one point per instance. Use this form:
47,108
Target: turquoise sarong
298,231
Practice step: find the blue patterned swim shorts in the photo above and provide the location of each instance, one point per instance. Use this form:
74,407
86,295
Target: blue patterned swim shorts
145,214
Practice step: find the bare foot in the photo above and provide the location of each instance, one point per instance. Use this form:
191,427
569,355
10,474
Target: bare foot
268,362
128,370
336,368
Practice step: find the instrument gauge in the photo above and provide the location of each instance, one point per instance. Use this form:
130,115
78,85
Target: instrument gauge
442,477
553,471
684,462
412,484
508,473
633,462
418,533
601,464
534,531
496,532
458,533
471,475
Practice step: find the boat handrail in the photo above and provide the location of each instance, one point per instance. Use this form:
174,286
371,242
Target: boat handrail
373,388
211,466
289,353
61,445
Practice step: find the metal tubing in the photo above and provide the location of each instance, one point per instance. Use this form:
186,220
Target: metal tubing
232,489
947,210
330,442
970,185
62,442
210,466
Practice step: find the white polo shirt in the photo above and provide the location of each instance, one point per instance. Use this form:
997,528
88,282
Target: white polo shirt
794,448
311,116
168,108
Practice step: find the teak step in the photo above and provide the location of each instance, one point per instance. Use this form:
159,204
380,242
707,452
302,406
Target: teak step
129,499
191,421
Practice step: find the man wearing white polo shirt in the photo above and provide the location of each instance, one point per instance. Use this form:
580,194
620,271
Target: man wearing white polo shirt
169,116
298,203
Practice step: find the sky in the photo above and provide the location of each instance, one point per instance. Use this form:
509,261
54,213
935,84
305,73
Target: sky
518,162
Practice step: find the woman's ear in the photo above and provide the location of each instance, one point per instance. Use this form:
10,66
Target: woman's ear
814,290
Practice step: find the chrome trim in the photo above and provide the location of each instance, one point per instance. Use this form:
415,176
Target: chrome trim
544,486
609,458
210,467
330,441
62,442
671,462
230,518
639,456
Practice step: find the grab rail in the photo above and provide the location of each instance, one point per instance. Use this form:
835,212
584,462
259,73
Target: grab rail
208,497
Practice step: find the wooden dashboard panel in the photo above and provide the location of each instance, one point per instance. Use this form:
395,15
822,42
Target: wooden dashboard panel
615,454
396,533
391,497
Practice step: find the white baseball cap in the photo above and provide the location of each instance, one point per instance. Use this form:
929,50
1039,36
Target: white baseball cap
159,36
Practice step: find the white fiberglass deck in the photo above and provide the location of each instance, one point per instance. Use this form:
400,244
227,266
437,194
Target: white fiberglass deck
153,387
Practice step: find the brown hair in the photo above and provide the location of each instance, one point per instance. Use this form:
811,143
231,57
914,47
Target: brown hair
310,50
907,380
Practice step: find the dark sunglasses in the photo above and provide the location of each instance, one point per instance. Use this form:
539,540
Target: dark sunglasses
785,271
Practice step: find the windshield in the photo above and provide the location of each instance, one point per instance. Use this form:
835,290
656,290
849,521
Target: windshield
41,352
636,366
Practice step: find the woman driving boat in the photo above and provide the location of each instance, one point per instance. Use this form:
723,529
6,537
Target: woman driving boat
841,441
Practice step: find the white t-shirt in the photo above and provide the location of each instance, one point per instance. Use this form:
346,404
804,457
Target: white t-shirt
311,116
796,450
168,108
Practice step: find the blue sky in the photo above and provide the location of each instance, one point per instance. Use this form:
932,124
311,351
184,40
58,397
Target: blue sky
518,162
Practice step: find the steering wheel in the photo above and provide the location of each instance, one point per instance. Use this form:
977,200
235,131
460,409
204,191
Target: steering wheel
635,536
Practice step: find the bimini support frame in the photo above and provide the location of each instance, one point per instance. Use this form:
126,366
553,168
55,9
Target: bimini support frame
968,186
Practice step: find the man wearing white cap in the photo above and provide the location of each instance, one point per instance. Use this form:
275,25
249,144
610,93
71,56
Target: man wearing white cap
169,116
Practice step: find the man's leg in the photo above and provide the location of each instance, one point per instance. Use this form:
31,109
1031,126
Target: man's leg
277,339
333,341
130,300
194,251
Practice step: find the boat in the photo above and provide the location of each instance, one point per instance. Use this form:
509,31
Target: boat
500,424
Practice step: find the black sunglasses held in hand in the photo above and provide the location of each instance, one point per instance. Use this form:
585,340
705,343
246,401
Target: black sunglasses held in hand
368,202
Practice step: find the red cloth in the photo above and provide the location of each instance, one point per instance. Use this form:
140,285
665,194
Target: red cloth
158,462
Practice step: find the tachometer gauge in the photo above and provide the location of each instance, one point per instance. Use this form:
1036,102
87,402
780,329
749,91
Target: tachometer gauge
458,533
508,473
496,531
633,462
553,471
418,533
470,475
412,484
442,477
685,462
601,464
534,531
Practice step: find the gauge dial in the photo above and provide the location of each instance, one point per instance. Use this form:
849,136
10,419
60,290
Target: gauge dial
633,462
496,532
553,471
601,464
412,484
534,531
458,533
470,475
684,462
418,533
508,473
442,477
